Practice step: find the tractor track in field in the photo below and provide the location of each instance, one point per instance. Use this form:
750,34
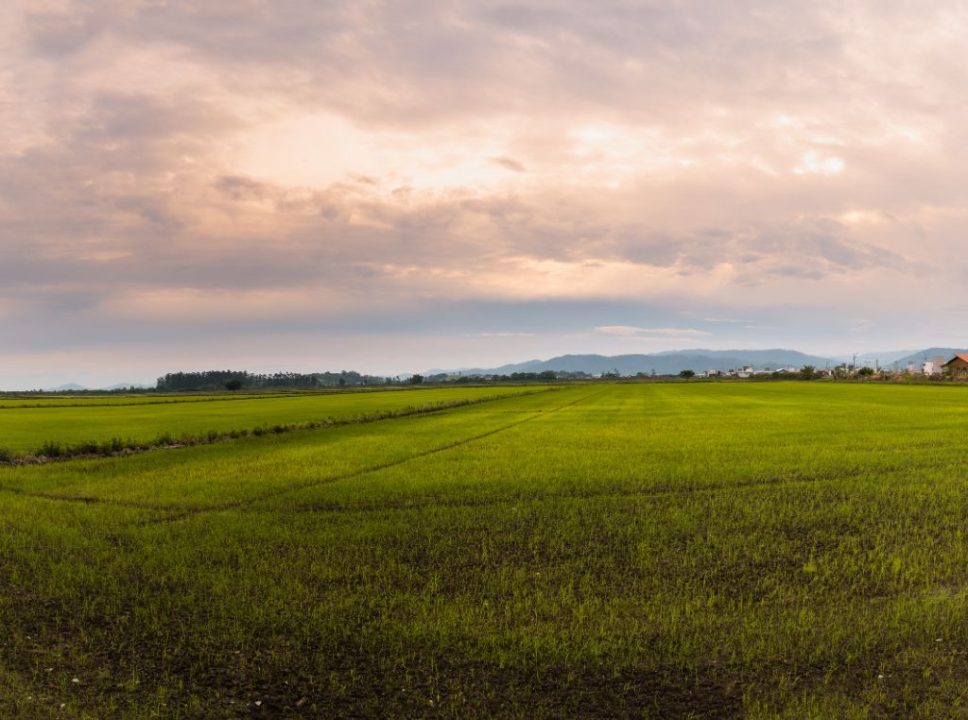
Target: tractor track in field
177,512
81,451
657,492
84,500
361,472
180,513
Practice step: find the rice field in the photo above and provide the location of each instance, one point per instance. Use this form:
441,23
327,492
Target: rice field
28,425
688,550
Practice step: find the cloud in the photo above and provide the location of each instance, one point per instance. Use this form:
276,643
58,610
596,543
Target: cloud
499,334
509,163
813,162
633,331
302,162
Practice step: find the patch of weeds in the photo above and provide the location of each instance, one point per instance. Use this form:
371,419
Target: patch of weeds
51,449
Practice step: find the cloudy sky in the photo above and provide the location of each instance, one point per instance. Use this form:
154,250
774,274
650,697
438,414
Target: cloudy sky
394,186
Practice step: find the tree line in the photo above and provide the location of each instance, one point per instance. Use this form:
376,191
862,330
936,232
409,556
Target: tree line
240,379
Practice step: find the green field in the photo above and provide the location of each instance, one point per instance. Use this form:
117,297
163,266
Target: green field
26,425
683,550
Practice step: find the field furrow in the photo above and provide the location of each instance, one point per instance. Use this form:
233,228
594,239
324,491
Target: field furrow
627,550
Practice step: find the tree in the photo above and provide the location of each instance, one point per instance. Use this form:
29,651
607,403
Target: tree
808,372
416,379
233,385
865,372
687,374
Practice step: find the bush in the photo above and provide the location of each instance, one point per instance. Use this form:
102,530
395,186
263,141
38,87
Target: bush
51,449
89,447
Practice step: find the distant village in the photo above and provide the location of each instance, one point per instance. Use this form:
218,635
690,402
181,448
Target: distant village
935,368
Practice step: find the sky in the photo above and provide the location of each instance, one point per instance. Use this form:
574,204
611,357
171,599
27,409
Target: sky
389,187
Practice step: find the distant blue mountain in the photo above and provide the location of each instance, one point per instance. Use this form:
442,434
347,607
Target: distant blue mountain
664,363
919,357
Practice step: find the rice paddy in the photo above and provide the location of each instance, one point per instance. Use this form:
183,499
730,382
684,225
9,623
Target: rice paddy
687,550
28,425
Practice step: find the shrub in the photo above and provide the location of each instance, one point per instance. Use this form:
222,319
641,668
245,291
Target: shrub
89,447
51,449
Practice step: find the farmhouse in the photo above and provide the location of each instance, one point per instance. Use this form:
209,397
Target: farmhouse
958,365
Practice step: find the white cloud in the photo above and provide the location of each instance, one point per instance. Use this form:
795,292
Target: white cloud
817,164
499,334
175,163
633,331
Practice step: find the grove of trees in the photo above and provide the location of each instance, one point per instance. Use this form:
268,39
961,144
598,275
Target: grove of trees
239,379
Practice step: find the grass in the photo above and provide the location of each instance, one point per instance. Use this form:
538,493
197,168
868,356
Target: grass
668,551
74,426
161,397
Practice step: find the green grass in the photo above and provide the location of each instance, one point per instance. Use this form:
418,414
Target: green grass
62,423
669,551
96,399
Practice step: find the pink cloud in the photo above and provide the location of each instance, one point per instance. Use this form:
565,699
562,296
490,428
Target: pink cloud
168,163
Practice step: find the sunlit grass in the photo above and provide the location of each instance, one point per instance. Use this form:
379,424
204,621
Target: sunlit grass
60,424
688,550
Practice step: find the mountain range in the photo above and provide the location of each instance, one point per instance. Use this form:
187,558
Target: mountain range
663,363
700,360
672,362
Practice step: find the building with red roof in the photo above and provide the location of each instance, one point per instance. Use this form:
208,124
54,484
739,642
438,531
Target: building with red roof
958,365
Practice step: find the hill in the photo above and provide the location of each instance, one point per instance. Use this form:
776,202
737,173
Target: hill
919,357
664,363
67,387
